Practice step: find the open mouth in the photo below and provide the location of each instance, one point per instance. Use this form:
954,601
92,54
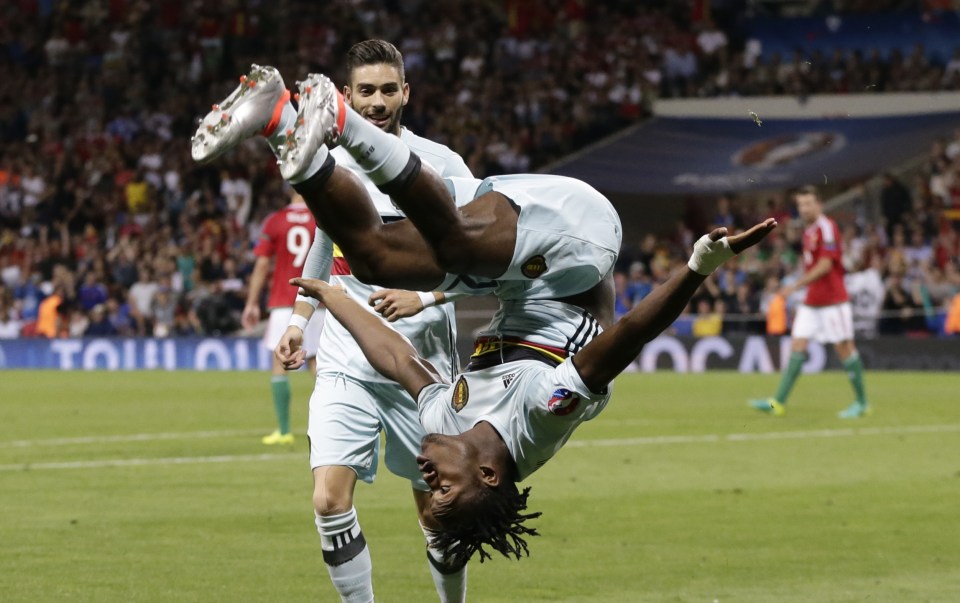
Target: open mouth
378,120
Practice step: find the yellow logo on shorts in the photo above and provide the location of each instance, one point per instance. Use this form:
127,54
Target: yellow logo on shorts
534,267
461,393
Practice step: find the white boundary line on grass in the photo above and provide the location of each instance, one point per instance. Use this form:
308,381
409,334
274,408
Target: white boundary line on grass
613,442
133,437
774,435
178,460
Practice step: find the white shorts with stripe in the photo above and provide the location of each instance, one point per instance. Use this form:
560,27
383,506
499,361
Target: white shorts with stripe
826,324
280,318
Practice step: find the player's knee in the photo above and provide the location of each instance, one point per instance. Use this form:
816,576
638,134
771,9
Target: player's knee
332,501
332,494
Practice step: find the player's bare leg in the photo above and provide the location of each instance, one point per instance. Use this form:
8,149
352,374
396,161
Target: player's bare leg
477,239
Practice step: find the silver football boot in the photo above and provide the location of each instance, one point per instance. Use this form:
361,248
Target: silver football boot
248,110
320,120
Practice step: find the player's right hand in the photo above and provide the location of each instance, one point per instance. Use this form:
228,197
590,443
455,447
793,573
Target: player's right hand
751,237
290,350
250,316
394,304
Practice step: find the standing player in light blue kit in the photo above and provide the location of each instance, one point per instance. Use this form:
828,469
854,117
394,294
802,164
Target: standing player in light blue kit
352,403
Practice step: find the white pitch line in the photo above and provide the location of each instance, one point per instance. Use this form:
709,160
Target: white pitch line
179,460
775,435
606,443
132,437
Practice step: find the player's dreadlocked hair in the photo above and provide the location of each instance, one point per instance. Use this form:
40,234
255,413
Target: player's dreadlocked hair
374,52
494,518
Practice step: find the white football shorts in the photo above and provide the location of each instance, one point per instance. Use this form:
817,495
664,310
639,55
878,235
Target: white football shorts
568,236
826,324
345,420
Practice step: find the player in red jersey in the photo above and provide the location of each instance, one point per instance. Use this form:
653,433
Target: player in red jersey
825,314
286,239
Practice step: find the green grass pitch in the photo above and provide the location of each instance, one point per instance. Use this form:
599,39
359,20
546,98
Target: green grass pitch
677,492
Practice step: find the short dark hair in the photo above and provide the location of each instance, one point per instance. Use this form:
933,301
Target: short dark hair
808,189
374,52
494,517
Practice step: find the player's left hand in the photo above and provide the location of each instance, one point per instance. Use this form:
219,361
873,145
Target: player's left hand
749,238
394,304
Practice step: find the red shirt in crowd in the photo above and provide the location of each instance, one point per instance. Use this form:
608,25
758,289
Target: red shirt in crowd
287,236
822,240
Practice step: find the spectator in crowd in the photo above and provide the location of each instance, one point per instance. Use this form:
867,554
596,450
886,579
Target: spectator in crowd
709,319
100,324
895,201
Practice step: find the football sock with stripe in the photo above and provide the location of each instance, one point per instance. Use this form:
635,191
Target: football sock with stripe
794,366
347,557
853,365
450,581
280,387
383,157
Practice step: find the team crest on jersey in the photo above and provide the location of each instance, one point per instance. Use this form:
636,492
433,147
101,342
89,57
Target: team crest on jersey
461,393
508,379
563,402
534,267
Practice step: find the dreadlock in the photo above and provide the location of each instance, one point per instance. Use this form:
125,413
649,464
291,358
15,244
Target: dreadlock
492,518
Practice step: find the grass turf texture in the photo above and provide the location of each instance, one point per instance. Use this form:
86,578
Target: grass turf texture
816,516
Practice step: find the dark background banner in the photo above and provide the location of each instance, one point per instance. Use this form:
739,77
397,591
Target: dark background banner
749,354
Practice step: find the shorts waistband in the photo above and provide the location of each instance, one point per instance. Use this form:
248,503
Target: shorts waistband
493,351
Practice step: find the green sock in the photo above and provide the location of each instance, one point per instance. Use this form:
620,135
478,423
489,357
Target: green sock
790,376
280,386
854,367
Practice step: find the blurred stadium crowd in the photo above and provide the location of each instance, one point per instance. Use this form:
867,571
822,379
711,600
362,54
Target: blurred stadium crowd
108,228
903,267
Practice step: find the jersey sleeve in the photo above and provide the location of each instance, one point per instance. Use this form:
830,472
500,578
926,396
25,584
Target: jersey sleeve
431,403
570,397
828,243
455,166
266,245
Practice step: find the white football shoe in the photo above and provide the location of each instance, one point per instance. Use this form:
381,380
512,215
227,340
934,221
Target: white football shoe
320,119
256,104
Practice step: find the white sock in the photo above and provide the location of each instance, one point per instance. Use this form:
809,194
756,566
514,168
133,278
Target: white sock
451,585
287,119
347,556
315,164
382,156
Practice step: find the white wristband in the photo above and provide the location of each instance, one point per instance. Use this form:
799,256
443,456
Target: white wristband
298,321
427,298
708,255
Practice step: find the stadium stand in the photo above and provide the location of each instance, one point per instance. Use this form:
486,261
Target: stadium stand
104,218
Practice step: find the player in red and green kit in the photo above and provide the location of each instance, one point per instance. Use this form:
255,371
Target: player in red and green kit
285,240
825,314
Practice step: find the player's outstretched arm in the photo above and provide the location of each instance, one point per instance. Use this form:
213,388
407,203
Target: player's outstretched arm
613,350
389,352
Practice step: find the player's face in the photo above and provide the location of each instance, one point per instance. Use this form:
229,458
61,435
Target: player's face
378,93
808,207
451,468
